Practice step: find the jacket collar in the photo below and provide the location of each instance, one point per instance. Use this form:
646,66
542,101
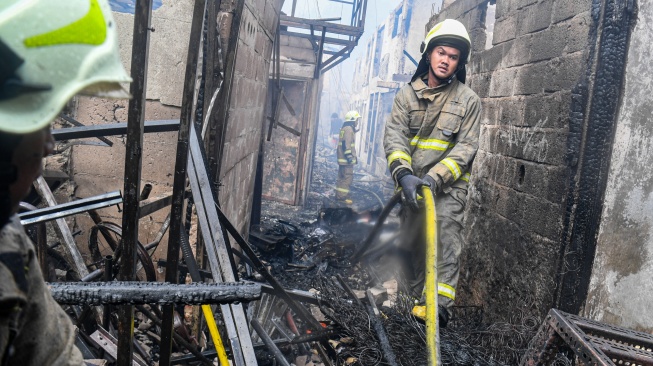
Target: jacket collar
423,91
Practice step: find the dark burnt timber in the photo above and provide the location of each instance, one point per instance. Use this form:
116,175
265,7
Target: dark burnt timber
593,343
592,124
115,129
179,183
133,162
121,293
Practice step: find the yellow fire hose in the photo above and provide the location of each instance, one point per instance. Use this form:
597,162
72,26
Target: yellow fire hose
217,340
430,287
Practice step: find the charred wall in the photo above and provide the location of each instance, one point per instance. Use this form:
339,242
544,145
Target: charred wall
527,81
241,110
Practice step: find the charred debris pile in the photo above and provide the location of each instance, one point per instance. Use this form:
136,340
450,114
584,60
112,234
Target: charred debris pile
365,318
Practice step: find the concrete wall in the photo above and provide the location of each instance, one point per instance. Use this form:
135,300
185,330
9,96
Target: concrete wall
516,201
246,106
168,48
621,289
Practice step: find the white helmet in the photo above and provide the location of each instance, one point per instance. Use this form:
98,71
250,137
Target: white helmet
50,51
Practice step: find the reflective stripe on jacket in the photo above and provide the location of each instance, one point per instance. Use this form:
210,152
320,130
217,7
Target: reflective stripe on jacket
347,145
434,131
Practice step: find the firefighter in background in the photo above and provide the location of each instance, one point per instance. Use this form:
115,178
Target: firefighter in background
347,156
431,139
49,51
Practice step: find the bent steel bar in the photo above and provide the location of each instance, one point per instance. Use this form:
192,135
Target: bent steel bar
114,129
121,293
70,208
594,343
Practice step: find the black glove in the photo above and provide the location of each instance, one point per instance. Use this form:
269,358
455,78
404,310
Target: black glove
434,183
409,185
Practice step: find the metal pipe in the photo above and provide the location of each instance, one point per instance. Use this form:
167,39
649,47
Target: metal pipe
376,229
113,129
120,293
70,208
269,343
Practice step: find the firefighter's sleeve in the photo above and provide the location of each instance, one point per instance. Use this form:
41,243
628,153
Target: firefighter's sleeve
457,162
350,145
395,141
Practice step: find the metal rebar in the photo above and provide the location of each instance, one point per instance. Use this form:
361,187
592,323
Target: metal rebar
179,183
179,339
269,343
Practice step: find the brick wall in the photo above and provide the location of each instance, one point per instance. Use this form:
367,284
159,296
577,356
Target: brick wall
515,206
246,106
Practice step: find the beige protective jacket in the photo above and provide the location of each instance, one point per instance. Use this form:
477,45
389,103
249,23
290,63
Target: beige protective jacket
434,131
34,329
347,145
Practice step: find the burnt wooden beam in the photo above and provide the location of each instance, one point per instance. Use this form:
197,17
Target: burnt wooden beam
179,182
319,54
333,58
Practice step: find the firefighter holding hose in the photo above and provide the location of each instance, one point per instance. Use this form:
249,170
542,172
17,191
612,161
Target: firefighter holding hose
49,51
431,139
